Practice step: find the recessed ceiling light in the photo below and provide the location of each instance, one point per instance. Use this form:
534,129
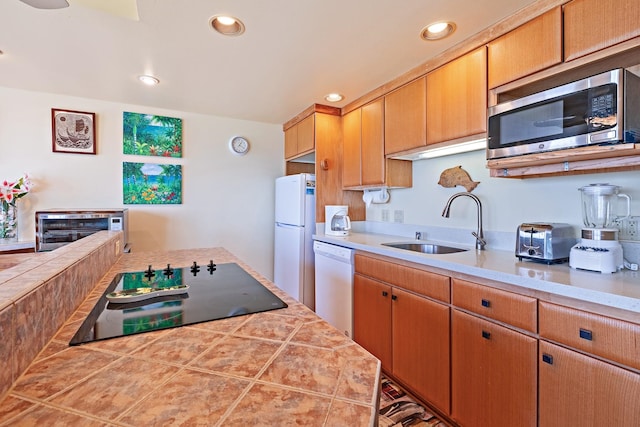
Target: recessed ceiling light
148,80
227,25
437,30
334,97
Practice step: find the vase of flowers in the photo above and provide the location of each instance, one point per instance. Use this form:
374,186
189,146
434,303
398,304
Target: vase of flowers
10,192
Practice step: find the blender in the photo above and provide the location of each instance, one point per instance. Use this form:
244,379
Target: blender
599,249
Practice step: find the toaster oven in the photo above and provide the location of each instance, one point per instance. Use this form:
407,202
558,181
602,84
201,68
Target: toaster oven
59,227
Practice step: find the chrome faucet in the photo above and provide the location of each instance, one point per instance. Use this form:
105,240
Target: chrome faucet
479,235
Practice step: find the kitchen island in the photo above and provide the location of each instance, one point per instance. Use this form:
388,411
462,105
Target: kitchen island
282,367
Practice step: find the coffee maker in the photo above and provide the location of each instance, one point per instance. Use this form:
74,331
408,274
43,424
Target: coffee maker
599,249
336,220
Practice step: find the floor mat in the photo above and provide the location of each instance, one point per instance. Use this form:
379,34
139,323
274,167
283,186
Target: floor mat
399,409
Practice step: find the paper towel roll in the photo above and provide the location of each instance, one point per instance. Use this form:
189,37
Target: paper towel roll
377,195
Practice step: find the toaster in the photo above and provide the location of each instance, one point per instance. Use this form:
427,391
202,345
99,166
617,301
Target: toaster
545,242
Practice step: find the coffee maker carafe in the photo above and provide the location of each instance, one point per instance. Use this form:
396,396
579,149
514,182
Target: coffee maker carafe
599,249
337,221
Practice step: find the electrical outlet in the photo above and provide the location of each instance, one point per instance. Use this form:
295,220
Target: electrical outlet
385,215
628,228
632,228
398,216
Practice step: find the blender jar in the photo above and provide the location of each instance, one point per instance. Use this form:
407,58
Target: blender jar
598,204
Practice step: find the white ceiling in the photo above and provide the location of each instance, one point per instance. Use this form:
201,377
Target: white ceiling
292,54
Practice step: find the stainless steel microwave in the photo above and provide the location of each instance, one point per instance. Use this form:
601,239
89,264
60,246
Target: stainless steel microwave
602,109
58,227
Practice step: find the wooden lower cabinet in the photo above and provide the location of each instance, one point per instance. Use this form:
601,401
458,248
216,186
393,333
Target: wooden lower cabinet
372,318
409,334
420,338
493,374
578,390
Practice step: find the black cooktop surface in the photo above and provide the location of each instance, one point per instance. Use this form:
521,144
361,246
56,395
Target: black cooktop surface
215,292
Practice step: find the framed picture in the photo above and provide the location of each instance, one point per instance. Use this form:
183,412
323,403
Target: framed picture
151,135
73,131
151,184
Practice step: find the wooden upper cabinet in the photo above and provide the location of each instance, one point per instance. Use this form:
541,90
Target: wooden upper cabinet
306,135
373,160
299,139
529,48
364,163
457,98
591,25
351,156
405,117
290,142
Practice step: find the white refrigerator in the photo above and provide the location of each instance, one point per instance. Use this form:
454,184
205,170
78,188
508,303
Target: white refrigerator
295,222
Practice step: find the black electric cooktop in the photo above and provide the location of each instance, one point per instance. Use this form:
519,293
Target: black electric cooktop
214,292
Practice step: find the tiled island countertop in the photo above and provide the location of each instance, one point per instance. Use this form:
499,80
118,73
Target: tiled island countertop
283,367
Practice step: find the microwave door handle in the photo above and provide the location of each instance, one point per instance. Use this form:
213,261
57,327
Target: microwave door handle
558,122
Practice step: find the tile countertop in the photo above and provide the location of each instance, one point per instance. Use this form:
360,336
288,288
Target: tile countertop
281,367
616,294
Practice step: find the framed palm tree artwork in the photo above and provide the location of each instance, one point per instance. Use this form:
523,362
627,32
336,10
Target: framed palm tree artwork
151,135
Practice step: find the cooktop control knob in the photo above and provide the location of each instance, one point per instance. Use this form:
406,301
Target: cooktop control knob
168,271
195,268
149,273
211,267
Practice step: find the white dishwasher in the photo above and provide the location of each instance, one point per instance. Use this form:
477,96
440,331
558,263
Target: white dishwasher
334,285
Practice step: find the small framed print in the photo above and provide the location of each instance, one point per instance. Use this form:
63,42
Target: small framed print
73,131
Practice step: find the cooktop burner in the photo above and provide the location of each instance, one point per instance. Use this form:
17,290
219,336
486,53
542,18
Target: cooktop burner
215,292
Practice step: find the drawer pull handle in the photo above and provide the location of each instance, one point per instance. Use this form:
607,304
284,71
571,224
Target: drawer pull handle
394,297
486,335
547,358
385,293
486,303
586,334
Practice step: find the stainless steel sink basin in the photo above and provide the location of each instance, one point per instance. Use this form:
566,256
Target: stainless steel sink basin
425,248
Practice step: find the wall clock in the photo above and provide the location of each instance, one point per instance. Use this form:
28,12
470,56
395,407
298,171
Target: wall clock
239,145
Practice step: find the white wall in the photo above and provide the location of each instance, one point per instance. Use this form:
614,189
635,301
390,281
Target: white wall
227,200
506,202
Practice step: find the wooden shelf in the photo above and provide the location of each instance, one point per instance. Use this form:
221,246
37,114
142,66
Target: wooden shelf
567,162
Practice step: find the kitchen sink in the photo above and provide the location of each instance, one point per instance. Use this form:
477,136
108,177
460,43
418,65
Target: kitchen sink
425,248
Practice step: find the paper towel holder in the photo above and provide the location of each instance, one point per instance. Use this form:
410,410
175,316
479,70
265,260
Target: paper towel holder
375,195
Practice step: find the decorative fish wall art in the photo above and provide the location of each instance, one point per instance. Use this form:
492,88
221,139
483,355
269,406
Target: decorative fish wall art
457,176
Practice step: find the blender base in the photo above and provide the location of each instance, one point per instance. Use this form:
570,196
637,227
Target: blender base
604,256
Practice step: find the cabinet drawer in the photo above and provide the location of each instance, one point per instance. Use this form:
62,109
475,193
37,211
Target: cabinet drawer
517,310
602,336
422,282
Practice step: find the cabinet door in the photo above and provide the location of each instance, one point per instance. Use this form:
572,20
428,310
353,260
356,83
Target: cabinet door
372,318
351,131
405,117
578,390
591,25
291,142
531,47
373,160
421,347
306,135
493,374
457,98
